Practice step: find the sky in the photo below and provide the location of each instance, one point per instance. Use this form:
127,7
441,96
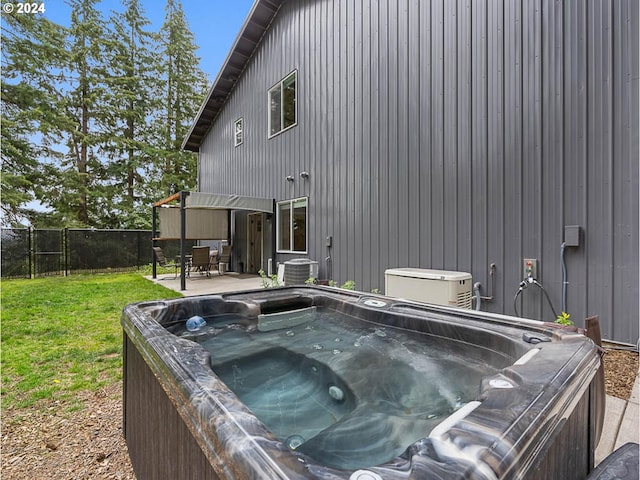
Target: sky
214,23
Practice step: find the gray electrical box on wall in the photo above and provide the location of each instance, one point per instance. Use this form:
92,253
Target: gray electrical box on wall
572,235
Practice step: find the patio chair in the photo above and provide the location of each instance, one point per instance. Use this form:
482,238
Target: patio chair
162,260
200,260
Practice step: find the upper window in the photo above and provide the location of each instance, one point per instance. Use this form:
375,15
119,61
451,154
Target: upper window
282,104
238,132
292,226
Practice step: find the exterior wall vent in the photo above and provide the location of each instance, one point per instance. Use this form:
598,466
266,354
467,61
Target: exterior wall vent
441,287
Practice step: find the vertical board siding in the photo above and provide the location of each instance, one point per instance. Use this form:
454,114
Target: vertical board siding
413,187
452,135
510,267
464,171
625,144
449,185
436,224
552,139
531,181
491,241
478,114
424,133
575,149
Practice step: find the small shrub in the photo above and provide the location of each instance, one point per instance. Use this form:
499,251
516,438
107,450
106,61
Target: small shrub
268,281
563,319
349,285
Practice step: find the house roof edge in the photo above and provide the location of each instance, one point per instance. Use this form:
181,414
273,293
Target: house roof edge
255,26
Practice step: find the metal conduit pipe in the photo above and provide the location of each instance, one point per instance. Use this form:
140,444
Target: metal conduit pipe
564,277
476,295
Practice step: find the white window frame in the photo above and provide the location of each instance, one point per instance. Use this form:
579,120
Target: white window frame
280,87
238,134
291,203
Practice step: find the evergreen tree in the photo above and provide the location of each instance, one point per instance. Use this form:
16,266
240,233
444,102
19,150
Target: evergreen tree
33,55
94,115
73,87
184,89
132,101
84,109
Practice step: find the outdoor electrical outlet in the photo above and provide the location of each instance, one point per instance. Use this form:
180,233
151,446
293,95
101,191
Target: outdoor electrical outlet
530,268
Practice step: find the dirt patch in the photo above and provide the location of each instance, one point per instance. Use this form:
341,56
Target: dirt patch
620,371
52,443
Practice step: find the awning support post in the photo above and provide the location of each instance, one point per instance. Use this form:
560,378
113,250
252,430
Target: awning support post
183,233
153,240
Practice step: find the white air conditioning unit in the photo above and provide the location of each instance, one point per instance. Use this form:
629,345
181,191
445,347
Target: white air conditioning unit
441,287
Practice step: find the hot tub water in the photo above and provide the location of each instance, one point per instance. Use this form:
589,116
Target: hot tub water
345,391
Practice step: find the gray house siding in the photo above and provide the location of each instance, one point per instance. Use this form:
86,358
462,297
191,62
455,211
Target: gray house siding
452,135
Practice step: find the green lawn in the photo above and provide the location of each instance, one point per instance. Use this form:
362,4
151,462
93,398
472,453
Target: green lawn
61,335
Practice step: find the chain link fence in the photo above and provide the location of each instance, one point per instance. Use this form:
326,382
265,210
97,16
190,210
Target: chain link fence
107,250
16,252
29,252
47,252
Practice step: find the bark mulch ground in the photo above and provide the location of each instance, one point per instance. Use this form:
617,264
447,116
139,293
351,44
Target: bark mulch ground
52,443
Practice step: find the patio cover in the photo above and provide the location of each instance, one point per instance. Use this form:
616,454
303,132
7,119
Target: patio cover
201,216
200,224
228,202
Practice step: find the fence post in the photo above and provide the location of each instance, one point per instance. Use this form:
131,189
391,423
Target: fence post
30,252
65,250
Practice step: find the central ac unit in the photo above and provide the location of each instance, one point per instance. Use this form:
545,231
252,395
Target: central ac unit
441,287
299,270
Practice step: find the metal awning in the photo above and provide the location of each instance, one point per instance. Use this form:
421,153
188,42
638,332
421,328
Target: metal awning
189,219
228,202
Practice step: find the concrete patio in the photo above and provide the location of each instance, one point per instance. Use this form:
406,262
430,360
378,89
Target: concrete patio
621,423
200,284
622,418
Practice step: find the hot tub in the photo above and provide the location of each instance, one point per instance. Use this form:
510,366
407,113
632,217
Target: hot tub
313,382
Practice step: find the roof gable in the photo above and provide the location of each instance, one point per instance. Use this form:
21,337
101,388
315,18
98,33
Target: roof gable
251,33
